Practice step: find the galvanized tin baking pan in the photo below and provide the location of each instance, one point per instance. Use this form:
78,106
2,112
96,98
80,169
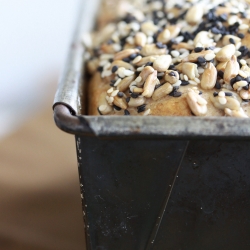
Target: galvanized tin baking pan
155,182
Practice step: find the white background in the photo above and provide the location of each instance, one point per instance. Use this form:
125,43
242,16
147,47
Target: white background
34,40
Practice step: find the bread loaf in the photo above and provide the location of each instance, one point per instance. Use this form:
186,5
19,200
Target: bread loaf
166,59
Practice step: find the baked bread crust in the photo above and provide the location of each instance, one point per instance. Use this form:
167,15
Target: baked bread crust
211,73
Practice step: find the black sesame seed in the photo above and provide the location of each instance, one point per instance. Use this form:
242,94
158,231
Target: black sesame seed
215,94
239,78
127,99
158,86
110,41
215,30
141,108
233,81
240,35
116,107
100,69
149,64
172,73
231,40
114,69
245,100
228,94
160,45
134,95
171,67
243,15
201,60
217,85
133,56
221,74
248,79
198,49
126,112
127,59
120,94
246,87
223,17
184,83
200,92
177,94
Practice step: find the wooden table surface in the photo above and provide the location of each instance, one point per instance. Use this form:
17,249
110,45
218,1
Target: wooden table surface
40,206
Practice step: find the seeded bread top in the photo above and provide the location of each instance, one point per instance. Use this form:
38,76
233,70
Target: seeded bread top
196,52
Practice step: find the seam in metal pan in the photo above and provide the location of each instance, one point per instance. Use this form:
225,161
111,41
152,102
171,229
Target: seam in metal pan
69,104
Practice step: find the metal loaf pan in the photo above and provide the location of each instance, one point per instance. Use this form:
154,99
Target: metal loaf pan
155,182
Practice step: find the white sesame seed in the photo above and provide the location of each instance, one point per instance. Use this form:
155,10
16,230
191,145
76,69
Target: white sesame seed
162,22
109,91
197,80
117,82
216,50
106,56
147,112
177,84
128,72
185,77
170,15
132,88
242,83
179,39
222,100
181,76
243,26
183,50
227,86
175,60
137,59
117,47
135,26
190,42
237,53
242,73
217,37
130,40
221,81
237,46
243,62
200,70
111,99
185,54
138,79
175,53
232,20
221,94
160,14
106,73
103,62
102,107
198,45
132,84
192,82
160,73
106,66
114,93
140,68
150,39
120,72
209,56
